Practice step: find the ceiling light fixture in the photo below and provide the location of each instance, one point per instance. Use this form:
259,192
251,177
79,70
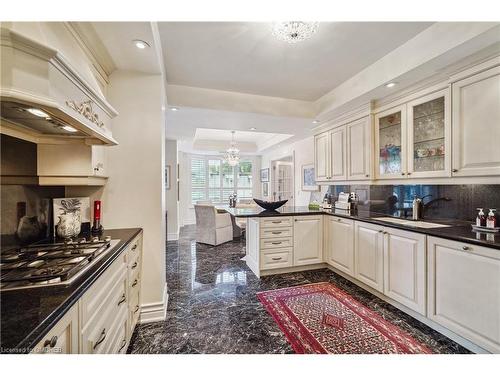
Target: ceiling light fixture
294,31
253,128
315,122
232,154
174,109
37,112
391,84
69,129
141,44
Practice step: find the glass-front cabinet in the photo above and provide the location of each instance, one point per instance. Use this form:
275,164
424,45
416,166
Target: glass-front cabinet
429,136
390,139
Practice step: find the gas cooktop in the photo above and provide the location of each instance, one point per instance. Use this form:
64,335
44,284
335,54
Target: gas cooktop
50,264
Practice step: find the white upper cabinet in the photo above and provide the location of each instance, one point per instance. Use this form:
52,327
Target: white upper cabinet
359,147
307,240
322,156
390,143
429,136
338,156
476,124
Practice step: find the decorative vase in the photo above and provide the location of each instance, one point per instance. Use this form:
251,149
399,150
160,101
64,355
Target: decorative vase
69,225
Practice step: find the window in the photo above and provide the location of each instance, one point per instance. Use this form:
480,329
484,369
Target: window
215,180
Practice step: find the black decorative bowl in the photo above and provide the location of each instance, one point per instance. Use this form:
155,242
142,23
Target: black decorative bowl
270,206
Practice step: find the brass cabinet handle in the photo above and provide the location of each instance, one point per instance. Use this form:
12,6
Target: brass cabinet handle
124,342
276,222
136,308
101,338
122,299
134,247
278,232
134,283
276,258
134,265
52,342
276,243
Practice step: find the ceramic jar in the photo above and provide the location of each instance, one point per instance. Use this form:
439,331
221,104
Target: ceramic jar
69,225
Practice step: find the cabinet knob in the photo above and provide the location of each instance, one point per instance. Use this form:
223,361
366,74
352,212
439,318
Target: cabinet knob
381,231
402,174
454,170
367,175
52,342
409,173
466,248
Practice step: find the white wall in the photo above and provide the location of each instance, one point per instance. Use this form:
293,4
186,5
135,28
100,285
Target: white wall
303,152
171,194
134,194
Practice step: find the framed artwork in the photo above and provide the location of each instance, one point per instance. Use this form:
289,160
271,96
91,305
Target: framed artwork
308,180
265,189
264,175
167,177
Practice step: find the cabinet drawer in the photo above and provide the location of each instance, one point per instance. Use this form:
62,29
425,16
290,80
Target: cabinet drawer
276,222
273,243
276,232
276,259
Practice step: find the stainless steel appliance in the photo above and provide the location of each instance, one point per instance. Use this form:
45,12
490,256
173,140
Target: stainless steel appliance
50,263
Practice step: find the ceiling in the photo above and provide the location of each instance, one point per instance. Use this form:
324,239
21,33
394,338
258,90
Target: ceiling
246,57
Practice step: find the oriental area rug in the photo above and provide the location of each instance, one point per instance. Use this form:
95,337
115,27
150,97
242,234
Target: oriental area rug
321,318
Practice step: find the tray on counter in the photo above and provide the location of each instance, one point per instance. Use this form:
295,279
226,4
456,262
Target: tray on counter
485,229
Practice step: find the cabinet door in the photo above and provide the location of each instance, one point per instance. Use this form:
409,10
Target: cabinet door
63,338
369,254
404,265
322,156
359,149
338,154
390,143
340,244
476,125
464,290
307,240
429,136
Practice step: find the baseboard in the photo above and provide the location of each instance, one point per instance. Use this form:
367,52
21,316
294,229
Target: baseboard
156,311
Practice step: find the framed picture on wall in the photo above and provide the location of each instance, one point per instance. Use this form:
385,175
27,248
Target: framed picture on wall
308,180
167,177
264,175
265,189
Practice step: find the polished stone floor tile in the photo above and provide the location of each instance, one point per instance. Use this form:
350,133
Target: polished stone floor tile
213,307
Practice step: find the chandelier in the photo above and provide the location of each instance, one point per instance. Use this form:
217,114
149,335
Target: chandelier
232,154
294,31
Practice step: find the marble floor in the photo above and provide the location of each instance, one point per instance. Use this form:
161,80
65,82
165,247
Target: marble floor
213,308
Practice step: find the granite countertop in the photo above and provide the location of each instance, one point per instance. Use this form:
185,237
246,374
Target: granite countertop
458,230
28,314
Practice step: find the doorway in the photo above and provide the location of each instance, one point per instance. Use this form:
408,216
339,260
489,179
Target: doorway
282,179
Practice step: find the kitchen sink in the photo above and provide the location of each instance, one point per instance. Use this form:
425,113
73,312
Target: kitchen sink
411,223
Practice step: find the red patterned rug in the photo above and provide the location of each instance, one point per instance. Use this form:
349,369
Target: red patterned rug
321,318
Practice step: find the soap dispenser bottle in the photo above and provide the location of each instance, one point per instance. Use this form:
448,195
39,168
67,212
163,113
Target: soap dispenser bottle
481,218
491,221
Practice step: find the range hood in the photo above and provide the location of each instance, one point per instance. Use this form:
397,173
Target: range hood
45,100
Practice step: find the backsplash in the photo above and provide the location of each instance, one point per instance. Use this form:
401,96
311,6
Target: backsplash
458,201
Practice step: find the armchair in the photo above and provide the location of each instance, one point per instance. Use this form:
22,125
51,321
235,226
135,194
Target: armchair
212,228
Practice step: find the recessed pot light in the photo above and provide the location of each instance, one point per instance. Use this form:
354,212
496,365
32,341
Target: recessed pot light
252,128
37,112
141,44
391,84
69,129
315,122
174,109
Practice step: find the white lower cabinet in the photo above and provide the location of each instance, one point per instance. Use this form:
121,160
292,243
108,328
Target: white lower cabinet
339,244
404,268
369,254
307,240
464,290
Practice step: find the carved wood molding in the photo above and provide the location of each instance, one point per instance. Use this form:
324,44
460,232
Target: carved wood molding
86,110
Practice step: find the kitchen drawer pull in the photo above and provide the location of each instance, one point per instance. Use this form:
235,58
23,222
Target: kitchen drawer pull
339,219
52,342
276,222
454,170
101,338
276,243
122,300
276,258
381,231
124,342
134,283
134,265
136,308
276,232
466,248
134,247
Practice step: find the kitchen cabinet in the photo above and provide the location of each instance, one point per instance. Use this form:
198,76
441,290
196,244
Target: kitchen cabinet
338,154
369,254
322,157
390,143
63,337
404,268
464,290
359,149
339,243
476,124
429,136
307,240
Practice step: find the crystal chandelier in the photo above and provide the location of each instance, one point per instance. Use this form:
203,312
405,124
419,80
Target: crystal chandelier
294,31
232,154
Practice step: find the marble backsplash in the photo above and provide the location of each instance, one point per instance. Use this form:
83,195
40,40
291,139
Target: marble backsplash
455,201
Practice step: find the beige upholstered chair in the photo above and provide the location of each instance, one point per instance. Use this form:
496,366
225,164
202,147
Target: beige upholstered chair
212,228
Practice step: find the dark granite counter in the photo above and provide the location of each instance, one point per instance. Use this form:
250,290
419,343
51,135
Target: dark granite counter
458,230
28,314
